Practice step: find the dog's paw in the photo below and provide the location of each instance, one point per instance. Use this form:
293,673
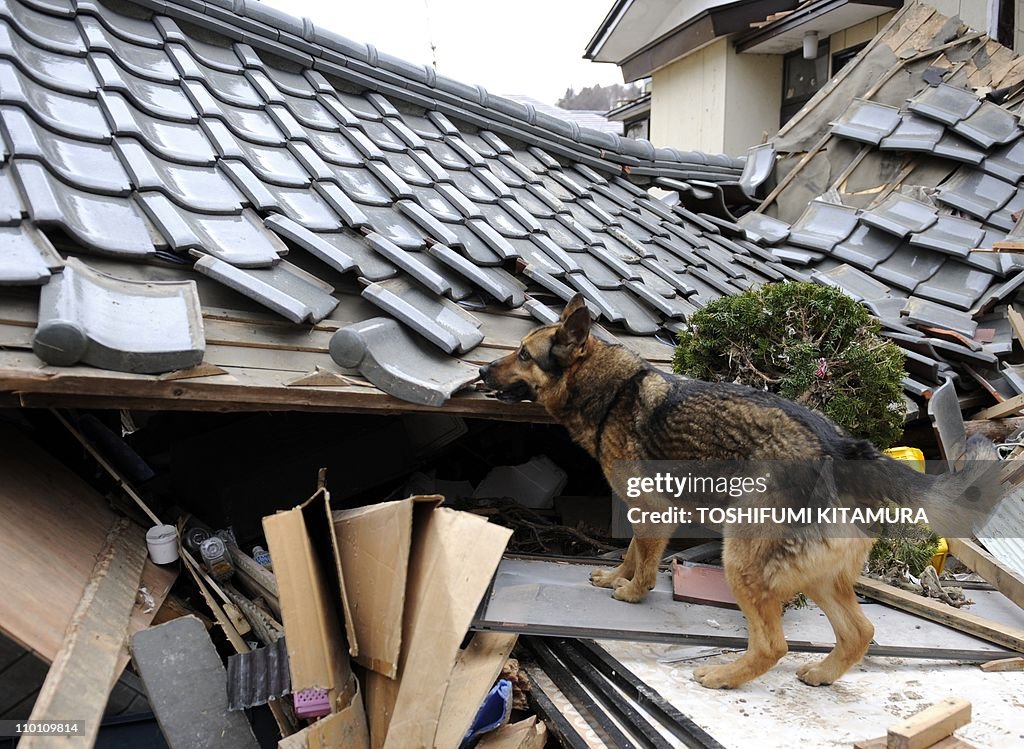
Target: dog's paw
716,677
626,590
815,674
604,578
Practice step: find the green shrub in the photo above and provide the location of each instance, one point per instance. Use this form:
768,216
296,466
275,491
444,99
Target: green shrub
807,342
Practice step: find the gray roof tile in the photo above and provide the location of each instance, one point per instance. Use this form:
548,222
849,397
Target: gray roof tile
823,225
945,103
237,239
1006,161
89,317
976,193
138,31
410,262
109,225
989,125
956,285
91,166
284,288
26,256
599,273
166,101
914,133
398,362
908,266
176,141
900,215
500,284
952,235
141,61
71,115
200,188
857,284
67,73
306,207
12,208
866,121
866,247
317,246
932,314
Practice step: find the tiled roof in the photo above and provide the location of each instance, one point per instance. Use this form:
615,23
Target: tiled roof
314,198
253,161
583,117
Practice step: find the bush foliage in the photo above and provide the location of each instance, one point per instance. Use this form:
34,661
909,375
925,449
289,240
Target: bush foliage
807,342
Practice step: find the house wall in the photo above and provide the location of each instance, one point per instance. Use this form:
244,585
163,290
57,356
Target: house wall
972,12
859,34
715,100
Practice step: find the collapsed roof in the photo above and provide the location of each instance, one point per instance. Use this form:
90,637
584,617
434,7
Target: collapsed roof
198,196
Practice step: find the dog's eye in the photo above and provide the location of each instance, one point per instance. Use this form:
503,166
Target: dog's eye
524,355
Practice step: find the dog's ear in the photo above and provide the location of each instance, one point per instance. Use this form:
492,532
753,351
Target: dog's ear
574,328
573,306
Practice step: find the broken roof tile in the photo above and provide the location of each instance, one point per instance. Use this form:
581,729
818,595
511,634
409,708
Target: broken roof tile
764,229
857,284
284,288
909,266
90,317
399,362
446,325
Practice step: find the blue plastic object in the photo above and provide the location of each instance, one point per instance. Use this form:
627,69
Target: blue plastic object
493,713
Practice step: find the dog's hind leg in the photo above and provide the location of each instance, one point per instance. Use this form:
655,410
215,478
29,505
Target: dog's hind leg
646,558
762,606
605,577
852,629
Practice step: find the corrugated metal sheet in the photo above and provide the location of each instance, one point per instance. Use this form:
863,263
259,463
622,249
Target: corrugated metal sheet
1003,534
256,677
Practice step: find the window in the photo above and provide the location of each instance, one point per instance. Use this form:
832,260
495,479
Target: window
801,79
839,59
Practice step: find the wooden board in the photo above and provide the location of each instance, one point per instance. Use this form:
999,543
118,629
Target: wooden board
475,672
930,725
85,668
1005,580
1001,634
1003,664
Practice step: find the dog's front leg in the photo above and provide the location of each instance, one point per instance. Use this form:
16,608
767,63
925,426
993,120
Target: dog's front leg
606,577
647,557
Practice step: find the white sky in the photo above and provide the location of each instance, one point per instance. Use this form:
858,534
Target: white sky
530,47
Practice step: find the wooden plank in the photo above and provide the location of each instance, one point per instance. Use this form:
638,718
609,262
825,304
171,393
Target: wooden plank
1005,580
1003,664
475,672
1009,407
1001,634
930,725
84,671
1016,323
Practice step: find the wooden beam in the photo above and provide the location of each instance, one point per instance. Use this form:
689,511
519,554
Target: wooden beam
996,430
1007,581
1003,664
1001,410
475,672
79,681
930,725
1000,634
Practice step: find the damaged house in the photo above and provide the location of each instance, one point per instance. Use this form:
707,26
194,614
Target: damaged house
238,247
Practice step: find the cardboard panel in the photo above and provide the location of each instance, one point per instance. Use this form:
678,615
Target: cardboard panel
310,609
373,546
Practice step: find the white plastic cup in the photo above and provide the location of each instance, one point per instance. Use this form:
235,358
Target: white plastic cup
162,541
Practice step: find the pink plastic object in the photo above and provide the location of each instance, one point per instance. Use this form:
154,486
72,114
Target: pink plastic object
311,703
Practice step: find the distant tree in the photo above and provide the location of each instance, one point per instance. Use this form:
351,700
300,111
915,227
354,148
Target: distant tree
598,97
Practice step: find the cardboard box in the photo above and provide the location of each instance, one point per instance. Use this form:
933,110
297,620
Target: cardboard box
344,729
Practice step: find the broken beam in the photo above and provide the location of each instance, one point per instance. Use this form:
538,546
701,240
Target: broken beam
1001,634
1002,578
79,681
930,725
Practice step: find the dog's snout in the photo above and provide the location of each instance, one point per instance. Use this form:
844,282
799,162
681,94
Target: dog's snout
483,370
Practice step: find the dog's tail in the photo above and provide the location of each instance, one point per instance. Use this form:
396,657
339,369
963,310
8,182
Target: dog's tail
955,503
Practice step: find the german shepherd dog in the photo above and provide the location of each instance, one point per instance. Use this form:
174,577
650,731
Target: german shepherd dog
618,407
